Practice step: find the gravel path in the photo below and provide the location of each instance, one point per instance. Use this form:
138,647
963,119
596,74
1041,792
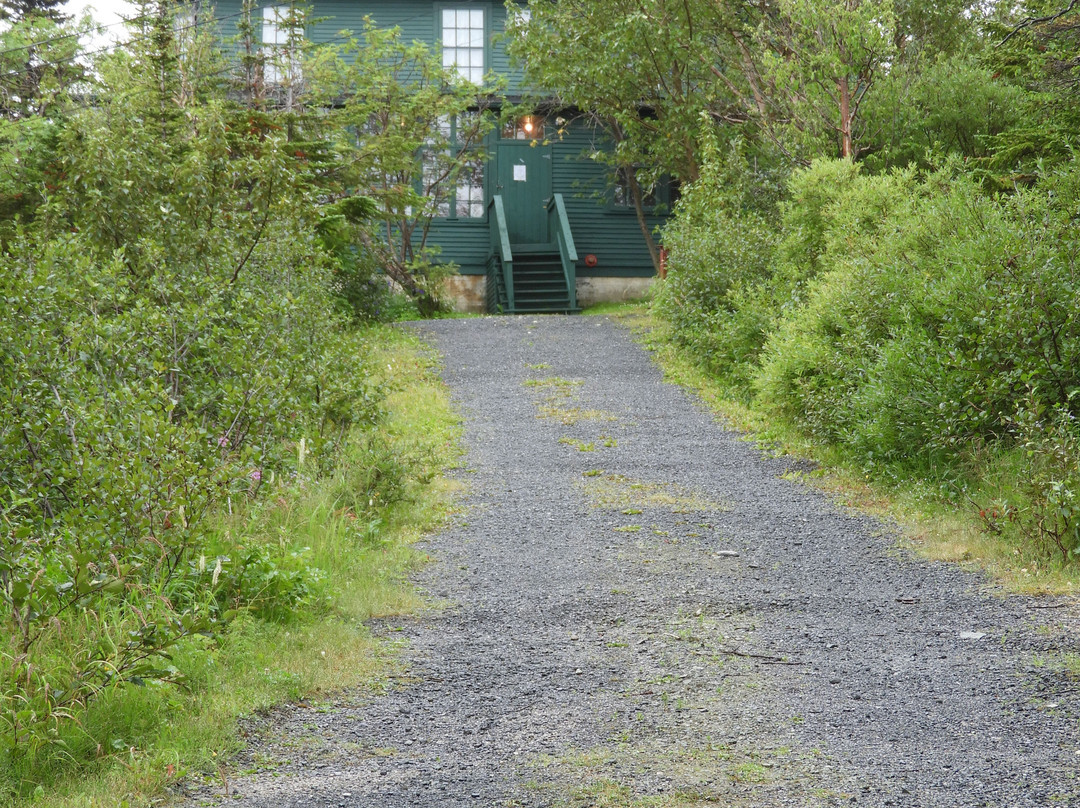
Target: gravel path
640,611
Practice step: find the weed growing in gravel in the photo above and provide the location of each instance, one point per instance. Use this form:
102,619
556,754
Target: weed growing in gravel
1062,662
556,405
560,385
580,445
568,416
606,441
621,493
703,773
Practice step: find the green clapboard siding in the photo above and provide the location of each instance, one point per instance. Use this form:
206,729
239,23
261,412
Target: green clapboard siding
612,235
417,19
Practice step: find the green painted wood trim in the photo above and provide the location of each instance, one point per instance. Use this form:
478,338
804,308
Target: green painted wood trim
559,223
500,241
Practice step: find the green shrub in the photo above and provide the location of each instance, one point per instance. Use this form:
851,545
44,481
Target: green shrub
172,349
365,292
721,245
914,320
952,106
930,330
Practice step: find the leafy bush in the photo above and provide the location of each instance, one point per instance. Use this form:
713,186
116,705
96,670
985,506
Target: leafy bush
172,349
931,329
912,319
1050,441
366,293
951,106
721,247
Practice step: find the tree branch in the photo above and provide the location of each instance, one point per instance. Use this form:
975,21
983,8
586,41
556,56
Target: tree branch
1032,21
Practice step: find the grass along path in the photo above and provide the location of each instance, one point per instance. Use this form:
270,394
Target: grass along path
364,549
933,525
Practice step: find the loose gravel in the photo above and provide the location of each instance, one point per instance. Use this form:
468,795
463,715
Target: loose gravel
639,608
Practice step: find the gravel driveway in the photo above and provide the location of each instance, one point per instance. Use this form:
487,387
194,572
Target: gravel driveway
638,609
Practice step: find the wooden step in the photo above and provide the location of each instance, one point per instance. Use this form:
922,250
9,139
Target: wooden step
539,281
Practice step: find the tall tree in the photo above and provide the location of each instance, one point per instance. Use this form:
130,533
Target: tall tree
1037,47
643,72
25,9
822,58
40,65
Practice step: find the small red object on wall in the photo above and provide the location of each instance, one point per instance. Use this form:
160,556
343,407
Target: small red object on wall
591,260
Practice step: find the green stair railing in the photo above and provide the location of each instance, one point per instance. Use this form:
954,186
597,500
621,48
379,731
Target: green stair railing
500,249
559,224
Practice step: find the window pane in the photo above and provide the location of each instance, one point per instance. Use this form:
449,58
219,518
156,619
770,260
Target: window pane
281,28
470,191
431,172
463,42
269,26
462,207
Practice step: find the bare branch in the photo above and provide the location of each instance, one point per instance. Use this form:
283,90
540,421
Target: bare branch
1032,21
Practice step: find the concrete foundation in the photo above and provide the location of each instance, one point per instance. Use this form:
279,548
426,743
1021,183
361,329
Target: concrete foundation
466,292
591,291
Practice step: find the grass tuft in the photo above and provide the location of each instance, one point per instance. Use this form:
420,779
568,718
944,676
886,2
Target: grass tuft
629,495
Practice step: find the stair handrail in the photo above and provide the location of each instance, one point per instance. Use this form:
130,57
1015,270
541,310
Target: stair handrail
559,224
500,245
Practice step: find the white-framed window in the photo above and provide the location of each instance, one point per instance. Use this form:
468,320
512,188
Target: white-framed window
464,198
184,28
469,194
520,15
463,42
282,32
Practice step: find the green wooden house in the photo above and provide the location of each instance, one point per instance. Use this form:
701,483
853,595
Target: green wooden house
540,227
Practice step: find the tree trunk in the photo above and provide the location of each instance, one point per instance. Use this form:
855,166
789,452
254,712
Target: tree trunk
639,209
847,148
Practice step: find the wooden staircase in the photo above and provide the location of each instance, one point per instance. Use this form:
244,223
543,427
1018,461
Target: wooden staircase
540,285
532,278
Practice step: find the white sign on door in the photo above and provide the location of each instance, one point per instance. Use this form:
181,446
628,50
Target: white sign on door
519,174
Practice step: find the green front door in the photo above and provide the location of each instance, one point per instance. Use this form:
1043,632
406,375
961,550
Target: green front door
524,180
